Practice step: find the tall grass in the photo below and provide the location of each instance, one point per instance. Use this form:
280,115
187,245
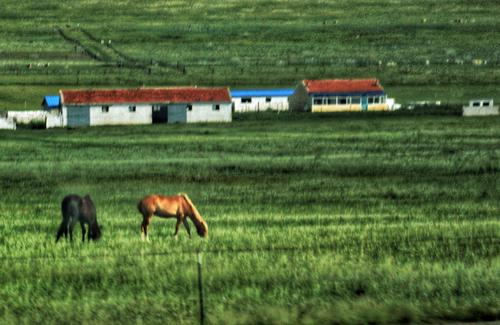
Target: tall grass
324,218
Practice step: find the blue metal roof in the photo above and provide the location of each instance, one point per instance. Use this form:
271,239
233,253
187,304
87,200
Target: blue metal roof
51,101
261,92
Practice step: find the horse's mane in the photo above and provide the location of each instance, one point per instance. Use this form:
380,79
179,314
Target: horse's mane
195,215
191,205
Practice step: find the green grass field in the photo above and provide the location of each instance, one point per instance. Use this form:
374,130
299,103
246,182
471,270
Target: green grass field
365,218
420,50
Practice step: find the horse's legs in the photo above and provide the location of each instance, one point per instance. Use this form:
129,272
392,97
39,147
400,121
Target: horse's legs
83,231
61,231
70,228
144,227
177,225
89,233
186,225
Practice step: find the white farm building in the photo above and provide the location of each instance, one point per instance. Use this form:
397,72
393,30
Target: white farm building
480,107
254,100
144,106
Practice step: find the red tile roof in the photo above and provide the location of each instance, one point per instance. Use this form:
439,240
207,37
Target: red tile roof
342,85
145,95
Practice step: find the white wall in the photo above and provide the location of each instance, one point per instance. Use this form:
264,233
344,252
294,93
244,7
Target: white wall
260,104
393,106
202,112
64,113
120,115
54,121
7,123
480,111
26,117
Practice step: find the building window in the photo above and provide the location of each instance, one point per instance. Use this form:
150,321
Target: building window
355,100
105,109
485,104
189,107
246,99
268,99
370,100
476,104
318,100
342,100
331,100
131,108
216,107
156,108
376,100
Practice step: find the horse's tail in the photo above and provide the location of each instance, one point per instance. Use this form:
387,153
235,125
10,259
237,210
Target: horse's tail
139,206
201,225
69,210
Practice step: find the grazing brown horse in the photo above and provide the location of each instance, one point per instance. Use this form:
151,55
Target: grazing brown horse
78,209
174,206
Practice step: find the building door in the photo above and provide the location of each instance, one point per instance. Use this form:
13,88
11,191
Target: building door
160,113
177,113
364,103
78,116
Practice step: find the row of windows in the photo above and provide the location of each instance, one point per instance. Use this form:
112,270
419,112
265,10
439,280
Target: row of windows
249,99
156,108
105,108
481,104
346,100
215,107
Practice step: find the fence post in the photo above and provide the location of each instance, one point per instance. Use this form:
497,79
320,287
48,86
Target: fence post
200,290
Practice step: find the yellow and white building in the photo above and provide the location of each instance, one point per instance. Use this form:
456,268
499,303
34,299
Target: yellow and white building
339,95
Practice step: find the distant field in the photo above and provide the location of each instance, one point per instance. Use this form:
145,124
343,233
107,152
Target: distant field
431,47
313,219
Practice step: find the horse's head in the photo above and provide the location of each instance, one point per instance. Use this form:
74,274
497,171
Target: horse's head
96,232
202,228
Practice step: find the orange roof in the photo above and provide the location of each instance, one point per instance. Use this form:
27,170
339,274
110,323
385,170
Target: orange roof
145,95
342,85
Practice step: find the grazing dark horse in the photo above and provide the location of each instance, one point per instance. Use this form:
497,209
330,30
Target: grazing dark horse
77,209
174,206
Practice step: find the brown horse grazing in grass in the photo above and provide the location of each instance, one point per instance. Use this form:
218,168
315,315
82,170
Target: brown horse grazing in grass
174,206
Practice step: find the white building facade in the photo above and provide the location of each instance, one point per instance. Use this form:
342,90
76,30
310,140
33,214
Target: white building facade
7,123
255,100
480,107
145,106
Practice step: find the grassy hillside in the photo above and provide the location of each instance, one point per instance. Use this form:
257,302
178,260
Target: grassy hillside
441,47
321,219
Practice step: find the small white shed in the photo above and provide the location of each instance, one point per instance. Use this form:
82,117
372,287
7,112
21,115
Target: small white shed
480,107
